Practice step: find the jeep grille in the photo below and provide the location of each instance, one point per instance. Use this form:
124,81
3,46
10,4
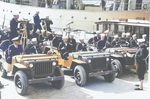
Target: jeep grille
42,69
98,63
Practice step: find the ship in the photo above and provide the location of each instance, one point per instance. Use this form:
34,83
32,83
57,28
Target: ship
83,14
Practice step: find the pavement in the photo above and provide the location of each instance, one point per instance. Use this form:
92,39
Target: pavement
95,88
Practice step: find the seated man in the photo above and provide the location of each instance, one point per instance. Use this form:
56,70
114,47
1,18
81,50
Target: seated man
57,39
114,42
72,42
82,46
101,43
35,49
14,49
51,36
133,42
64,48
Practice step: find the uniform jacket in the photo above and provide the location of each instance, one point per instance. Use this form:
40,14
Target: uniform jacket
113,43
109,39
101,44
63,48
50,37
37,21
96,39
55,42
35,50
4,45
13,28
82,47
12,51
73,44
133,43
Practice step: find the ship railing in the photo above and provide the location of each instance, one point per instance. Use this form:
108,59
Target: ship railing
110,6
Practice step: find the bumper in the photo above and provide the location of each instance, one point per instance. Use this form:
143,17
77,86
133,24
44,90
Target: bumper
101,73
31,81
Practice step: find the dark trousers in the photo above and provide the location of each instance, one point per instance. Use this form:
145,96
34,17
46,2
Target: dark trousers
35,29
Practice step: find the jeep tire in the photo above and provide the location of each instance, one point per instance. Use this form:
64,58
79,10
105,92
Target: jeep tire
80,75
58,84
3,72
110,77
21,82
118,67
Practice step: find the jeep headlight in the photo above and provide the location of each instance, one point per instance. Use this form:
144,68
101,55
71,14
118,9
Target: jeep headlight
54,63
89,61
31,65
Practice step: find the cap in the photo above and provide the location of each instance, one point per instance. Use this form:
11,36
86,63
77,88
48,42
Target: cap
42,30
34,40
15,14
144,35
141,40
97,32
59,33
48,32
123,34
127,34
65,37
115,36
102,34
53,30
81,38
134,35
107,31
15,39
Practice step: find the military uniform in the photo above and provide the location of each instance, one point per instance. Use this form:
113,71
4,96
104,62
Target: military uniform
55,42
72,42
101,44
36,23
35,49
82,47
97,38
133,43
13,29
48,22
50,37
140,57
12,51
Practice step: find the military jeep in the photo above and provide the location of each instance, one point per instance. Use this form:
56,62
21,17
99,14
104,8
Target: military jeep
87,64
123,56
34,68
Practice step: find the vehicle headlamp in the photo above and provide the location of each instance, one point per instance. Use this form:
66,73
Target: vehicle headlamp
54,63
107,59
89,61
31,65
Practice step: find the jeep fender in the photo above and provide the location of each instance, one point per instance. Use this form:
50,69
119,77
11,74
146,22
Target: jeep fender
18,66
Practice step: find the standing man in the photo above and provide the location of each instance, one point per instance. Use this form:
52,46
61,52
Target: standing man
101,43
72,42
48,23
140,58
13,27
14,49
36,22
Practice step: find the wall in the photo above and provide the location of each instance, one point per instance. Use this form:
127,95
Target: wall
82,19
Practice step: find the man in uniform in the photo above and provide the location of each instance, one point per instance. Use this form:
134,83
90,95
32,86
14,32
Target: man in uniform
14,49
72,42
64,48
107,37
133,42
97,37
48,22
35,49
140,58
51,36
13,27
36,23
101,43
123,36
114,42
128,38
81,46
144,36
56,39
